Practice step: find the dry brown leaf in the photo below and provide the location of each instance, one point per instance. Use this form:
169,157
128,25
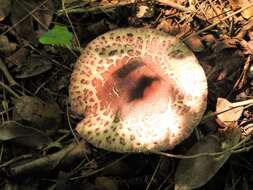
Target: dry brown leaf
45,116
24,135
33,15
247,13
5,7
33,66
229,117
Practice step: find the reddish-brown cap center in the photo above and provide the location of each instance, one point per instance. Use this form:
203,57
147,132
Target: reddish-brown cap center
132,81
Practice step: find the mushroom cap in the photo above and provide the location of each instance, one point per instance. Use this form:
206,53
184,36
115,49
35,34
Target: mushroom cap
139,89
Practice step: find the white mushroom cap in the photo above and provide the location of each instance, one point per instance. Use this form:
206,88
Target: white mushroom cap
139,90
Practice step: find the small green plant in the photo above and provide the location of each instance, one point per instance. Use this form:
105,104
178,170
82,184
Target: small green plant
58,35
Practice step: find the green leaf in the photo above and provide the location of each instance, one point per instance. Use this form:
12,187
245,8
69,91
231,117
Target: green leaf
58,35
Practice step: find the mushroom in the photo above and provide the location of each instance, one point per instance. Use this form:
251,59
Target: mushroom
139,89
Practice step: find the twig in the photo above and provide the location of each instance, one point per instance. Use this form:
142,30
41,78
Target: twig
72,27
244,29
25,17
243,77
95,8
180,156
100,169
173,5
216,12
234,149
7,74
70,126
153,176
24,5
221,20
46,163
246,103
178,7
16,159
6,87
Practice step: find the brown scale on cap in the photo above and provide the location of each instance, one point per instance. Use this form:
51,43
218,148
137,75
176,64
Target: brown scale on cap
139,90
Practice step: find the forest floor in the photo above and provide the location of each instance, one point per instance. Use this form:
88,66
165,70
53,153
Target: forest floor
39,147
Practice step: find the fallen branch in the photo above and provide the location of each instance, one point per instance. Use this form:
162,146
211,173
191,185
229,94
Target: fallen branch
7,73
66,156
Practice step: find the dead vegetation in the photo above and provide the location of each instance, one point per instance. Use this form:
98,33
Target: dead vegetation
39,148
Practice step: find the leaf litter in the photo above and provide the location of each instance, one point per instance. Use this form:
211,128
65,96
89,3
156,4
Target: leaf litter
37,51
